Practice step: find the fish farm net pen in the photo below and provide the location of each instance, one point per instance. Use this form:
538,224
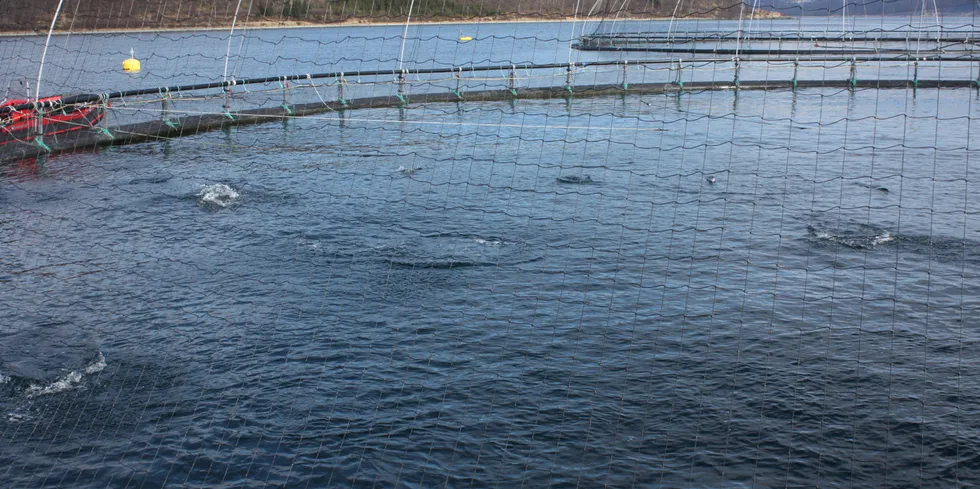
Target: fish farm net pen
496,243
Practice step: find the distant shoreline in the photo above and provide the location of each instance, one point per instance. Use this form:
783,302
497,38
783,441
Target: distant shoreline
264,25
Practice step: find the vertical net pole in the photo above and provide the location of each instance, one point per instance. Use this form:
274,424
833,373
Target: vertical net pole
408,19
224,75
40,69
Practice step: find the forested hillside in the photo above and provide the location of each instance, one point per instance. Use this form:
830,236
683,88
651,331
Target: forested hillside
35,15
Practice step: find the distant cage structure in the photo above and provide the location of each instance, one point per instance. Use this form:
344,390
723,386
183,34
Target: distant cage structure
907,40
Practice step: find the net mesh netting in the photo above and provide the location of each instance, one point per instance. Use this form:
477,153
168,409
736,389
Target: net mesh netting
409,244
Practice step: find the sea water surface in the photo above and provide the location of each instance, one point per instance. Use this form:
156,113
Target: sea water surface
527,294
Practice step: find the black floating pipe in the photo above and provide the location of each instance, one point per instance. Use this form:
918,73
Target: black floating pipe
97,97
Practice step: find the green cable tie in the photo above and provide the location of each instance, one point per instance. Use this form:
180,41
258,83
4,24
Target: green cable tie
569,88
343,102
43,146
457,94
170,124
288,110
106,132
513,91
228,115
404,102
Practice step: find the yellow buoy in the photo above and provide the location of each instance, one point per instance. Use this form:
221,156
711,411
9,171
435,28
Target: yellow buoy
465,38
131,64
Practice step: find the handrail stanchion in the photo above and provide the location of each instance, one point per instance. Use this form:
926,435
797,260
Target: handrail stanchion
680,75
401,87
285,93
796,72
458,75
568,76
626,85
978,79
340,89
737,68
227,105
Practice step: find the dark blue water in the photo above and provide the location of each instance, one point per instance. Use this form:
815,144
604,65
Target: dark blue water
505,295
